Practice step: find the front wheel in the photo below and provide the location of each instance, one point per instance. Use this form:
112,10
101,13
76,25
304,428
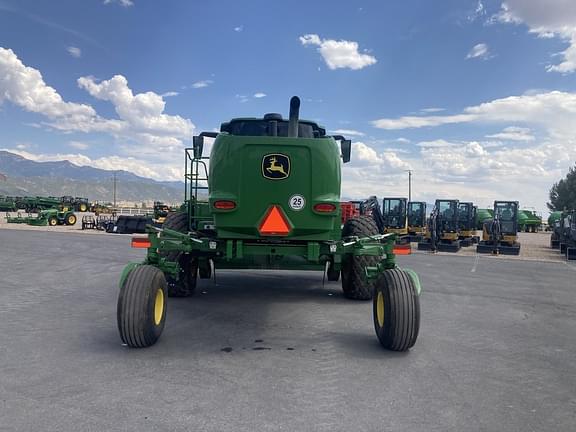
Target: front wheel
71,219
141,309
396,310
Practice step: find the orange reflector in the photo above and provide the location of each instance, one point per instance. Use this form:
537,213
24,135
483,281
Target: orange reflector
325,208
224,205
274,223
140,242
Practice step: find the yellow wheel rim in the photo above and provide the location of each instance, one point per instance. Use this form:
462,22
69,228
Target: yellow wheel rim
158,306
380,309
52,222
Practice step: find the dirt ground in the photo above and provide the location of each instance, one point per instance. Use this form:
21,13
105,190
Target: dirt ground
533,246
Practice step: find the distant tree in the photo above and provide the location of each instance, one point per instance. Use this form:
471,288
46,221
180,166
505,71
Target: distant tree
563,193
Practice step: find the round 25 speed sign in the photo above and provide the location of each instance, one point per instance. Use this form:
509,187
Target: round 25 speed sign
297,202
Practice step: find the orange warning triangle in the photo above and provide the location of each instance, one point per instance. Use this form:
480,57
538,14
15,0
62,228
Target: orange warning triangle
274,223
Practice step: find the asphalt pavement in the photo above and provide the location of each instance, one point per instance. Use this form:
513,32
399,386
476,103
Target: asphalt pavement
278,351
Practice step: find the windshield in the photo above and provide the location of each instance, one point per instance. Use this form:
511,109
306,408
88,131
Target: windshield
393,206
446,209
505,211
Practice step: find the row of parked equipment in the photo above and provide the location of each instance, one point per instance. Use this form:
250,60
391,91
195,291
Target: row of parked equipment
35,204
563,237
451,225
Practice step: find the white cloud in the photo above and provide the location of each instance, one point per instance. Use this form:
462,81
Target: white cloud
142,113
202,84
348,132
364,155
239,28
439,143
78,145
242,98
431,110
125,3
170,94
142,127
74,51
339,54
24,86
514,133
259,95
553,110
479,51
408,122
552,18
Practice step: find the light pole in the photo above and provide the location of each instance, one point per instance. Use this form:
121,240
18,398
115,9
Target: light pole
114,189
409,184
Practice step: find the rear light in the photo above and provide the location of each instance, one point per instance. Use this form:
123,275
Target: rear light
402,249
140,242
224,205
325,208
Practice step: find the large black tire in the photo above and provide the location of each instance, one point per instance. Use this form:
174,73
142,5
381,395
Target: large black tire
354,284
52,221
396,310
186,283
141,309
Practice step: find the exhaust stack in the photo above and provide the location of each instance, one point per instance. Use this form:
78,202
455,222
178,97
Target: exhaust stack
293,118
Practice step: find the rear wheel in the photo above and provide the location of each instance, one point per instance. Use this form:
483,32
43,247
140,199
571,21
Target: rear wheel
354,284
141,309
396,310
185,285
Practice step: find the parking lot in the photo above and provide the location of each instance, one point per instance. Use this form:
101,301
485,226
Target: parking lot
278,351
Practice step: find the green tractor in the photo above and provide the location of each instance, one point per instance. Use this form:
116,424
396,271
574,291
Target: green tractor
50,217
500,234
272,202
78,204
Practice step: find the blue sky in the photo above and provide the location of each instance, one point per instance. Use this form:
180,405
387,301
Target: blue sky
476,97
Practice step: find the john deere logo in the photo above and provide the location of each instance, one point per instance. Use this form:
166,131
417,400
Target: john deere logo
276,166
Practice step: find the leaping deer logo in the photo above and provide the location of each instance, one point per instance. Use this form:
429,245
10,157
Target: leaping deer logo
276,166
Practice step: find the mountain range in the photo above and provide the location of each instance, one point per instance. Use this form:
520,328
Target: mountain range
20,177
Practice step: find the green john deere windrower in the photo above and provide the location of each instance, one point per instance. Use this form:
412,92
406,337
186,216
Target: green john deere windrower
269,200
